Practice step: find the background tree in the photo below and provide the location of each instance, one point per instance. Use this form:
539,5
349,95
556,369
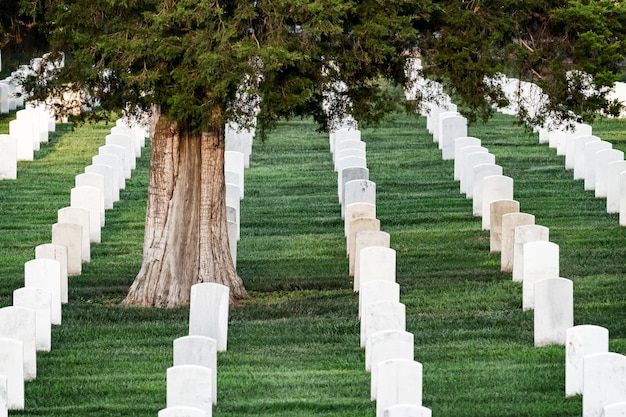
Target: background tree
185,61
573,49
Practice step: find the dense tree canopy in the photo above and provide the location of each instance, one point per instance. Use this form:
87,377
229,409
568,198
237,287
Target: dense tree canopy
187,60
557,44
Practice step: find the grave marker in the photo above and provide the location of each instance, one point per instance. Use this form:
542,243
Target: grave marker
386,345
208,312
59,254
498,209
603,158
190,386
358,191
365,239
579,154
399,382
8,157
79,216
460,143
19,323
541,261
479,174
614,173
525,234
509,223
604,382
554,310
11,366
40,301
382,315
70,236
90,199
377,290
581,341
472,160
198,350
407,410
591,151
46,274
495,187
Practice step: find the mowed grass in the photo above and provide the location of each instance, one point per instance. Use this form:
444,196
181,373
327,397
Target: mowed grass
293,350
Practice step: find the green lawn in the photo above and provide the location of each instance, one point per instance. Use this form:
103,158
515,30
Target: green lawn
294,349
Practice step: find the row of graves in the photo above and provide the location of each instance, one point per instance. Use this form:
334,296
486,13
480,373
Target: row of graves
25,327
192,380
395,375
30,127
525,249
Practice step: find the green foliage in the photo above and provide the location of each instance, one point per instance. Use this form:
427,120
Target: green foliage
191,57
556,44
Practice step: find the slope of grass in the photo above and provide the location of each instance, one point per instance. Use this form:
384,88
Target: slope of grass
294,349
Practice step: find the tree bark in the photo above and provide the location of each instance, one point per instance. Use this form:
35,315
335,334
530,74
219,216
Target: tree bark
186,234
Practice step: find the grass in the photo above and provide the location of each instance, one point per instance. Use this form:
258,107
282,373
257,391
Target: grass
294,349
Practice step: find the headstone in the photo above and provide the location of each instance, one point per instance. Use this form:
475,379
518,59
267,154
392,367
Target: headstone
557,137
4,396
452,127
460,143
525,234
121,129
31,117
617,409
603,158
479,174
198,350
112,193
541,261
40,301
8,157
378,290
233,230
96,180
19,323
46,274
365,239
233,178
591,151
234,161
343,134
472,160
59,254
579,154
24,133
118,170
190,386
580,129
79,216
614,173
11,366
509,223
399,382
407,410
348,162
232,215
386,345
343,145
495,187
460,165
350,174
622,200
208,312
382,315
182,411
90,199
432,120
498,209
604,382
356,226
4,98
128,144
554,310
358,191
581,341
377,263
120,153
70,236
357,210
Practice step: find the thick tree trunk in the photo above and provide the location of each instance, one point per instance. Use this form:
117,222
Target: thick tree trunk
186,235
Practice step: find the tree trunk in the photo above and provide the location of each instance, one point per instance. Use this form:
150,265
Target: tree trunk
186,234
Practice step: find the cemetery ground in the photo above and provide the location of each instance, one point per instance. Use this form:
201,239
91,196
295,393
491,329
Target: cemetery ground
294,349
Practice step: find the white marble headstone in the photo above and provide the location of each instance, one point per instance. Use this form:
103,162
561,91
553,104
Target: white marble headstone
11,366
604,382
581,341
190,386
208,312
541,261
20,323
554,310
198,350
399,382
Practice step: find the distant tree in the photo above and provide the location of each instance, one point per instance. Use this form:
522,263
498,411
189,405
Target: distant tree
185,60
572,49
19,32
